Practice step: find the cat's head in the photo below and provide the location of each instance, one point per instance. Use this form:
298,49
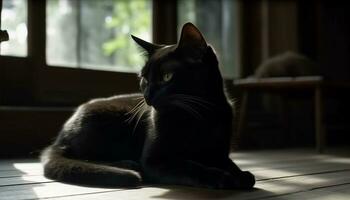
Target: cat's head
184,71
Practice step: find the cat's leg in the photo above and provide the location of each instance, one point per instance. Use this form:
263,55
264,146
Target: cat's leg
190,173
126,164
245,178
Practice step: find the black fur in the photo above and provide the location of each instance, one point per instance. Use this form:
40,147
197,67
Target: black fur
181,137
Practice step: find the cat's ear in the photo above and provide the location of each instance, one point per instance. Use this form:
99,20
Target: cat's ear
191,37
147,46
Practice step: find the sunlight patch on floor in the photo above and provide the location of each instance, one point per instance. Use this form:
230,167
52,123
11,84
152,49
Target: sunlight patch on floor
57,189
339,160
29,168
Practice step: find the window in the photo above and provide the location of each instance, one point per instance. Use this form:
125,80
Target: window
14,20
67,37
217,21
96,34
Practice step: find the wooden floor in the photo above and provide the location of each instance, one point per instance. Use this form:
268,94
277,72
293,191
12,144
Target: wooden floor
281,174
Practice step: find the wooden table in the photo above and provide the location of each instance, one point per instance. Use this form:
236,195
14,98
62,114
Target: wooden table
284,84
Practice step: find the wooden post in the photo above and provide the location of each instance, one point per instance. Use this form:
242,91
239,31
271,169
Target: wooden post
320,133
164,21
241,117
0,12
37,31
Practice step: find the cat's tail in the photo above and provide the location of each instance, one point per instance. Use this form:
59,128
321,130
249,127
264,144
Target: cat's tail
60,168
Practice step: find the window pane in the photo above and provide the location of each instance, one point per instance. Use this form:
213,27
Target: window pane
96,34
217,21
61,33
14,20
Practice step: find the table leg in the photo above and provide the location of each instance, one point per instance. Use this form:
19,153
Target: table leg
241,117
320,132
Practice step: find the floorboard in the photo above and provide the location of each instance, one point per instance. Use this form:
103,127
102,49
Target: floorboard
281,174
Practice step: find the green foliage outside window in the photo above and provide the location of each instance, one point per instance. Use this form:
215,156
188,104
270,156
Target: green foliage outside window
96,33
129,17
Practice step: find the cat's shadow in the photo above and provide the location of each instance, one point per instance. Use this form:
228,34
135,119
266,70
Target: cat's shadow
182,192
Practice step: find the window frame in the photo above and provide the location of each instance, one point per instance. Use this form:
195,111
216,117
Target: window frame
30,81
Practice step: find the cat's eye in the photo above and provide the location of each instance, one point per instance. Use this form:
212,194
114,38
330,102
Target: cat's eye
167,76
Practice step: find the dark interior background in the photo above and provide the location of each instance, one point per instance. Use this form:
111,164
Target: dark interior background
35,100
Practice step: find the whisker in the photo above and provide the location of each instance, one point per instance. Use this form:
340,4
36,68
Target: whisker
135,111
139,117
188,108
137,98
194,111
136,107
196,101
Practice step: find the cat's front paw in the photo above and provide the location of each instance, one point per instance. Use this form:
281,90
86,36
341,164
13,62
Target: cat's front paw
246,180
242,180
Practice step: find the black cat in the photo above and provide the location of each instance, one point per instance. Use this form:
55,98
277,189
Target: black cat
181,137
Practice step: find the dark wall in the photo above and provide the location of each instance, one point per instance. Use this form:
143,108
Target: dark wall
335,39
323,34
324,29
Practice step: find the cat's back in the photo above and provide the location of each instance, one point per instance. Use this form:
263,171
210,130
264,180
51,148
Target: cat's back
102,124
95,110
117,103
